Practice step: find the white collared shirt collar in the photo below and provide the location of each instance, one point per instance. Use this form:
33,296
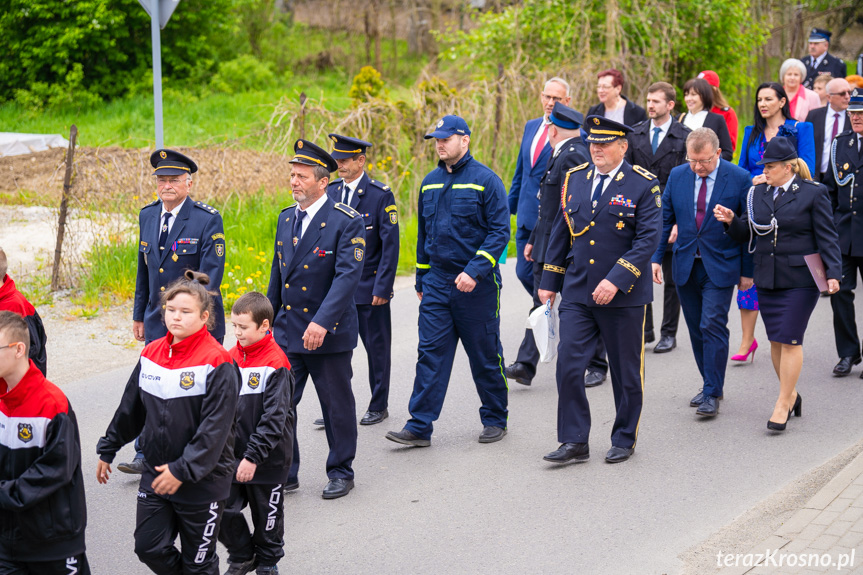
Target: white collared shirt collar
664,127
560,146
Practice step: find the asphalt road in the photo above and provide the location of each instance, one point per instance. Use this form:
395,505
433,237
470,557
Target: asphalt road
464,507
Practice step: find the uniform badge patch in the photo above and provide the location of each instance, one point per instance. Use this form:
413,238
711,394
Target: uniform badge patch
618,177
25,432
654,190
220,250
300,144
439,124
254,380
589,173
163,155
596,121
187,379
334,139
658,199
358,254
394,217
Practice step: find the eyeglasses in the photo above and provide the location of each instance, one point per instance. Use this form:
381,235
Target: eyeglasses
843,94
11,345
703,163
546,98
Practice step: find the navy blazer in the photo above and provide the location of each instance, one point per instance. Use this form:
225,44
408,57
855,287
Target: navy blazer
725,260
196,242
377,205
613,241
670,153
316,280
805,223
525,182
829,65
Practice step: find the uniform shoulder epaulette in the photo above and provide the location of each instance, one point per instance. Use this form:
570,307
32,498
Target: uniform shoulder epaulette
206,208
642,172
289,207
577,168
346,209
380,185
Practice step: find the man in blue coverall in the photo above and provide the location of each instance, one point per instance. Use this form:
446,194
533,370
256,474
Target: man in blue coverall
462,230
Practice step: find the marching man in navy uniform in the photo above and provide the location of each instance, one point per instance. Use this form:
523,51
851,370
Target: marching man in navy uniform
820,61
377,205
176,234
317,265
598,257
844,180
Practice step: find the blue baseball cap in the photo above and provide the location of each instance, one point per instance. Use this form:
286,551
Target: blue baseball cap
447,126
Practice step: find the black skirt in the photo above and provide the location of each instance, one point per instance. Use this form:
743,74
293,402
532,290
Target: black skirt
786,312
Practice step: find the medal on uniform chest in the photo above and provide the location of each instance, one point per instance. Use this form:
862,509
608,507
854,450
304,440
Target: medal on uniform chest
594,204
174,248
620,225
295,241
174,257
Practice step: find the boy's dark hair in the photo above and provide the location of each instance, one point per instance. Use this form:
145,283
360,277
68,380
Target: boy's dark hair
255,304
193,284
15,328
4,266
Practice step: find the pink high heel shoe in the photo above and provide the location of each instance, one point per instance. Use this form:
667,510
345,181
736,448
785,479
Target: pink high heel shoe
745,357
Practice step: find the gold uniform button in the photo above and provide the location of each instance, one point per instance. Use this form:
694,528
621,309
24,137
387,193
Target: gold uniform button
287,307
305,309
592,224
591,261
305,267
161,271
304,288
163,307
287,286
163,288
592,242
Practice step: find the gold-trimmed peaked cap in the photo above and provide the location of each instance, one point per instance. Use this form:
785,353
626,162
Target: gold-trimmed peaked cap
171,163
345,147
601,130
310,154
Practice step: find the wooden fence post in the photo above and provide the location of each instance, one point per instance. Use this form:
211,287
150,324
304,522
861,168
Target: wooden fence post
64,208
303,115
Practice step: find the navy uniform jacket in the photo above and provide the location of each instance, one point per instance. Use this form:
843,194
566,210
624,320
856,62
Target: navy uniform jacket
525,181
829,65
197,238
377,205
572,153
846,198
316,280
462,221
806,227
614,242
670,153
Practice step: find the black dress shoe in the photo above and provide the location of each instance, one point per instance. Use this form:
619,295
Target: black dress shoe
319,422
618,454
405,437
649,337
519,372
699,397
845,364
593,378
291,485
337,488
709,406
134,467
372,417
666,344
569,452
491,434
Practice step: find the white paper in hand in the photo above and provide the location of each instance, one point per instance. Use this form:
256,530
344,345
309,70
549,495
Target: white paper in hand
544,322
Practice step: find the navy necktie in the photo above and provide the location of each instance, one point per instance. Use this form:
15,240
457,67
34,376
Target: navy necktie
655,142
597,192
163,234
298,224
347,193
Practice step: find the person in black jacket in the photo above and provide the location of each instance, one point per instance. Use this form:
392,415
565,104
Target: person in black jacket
181,399
612,104
698,95
264,441
43,512
788,219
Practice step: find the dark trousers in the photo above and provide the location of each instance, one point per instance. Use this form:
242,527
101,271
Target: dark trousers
159,521
622,330
331,373
376,332
447,315
266,503
528,354
75,565
842,302
523,268
670,302
705,308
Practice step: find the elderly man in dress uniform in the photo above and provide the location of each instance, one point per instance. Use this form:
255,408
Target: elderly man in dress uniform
820,61
598,257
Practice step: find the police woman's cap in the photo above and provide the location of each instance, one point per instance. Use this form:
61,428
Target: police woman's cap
565,117
819,35
171,163
856,103
778,149
346,147
310,154
447,126
600,130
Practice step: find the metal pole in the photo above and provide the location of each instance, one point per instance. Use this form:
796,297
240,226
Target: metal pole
157,71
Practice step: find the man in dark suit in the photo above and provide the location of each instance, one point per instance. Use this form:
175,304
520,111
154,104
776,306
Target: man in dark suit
569,151
828,122
376,203
598,253
318,262
658,146
820,61
612,104
707,262
176,234
529,169
846,166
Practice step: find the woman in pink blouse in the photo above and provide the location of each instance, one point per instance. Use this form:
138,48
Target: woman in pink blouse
800,98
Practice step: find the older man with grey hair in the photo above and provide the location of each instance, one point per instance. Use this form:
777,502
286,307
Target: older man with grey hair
828,122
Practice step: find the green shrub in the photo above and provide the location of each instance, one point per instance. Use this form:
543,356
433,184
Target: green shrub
243,74
367,84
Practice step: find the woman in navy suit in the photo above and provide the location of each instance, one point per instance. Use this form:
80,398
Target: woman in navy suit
787,218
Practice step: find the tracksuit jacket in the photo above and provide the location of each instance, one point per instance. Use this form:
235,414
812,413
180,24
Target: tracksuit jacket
181,399
13,300
265,411
42,508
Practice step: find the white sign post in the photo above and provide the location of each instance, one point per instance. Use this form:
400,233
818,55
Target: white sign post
160,12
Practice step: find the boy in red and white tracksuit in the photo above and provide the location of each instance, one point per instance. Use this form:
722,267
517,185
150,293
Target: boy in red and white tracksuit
13,300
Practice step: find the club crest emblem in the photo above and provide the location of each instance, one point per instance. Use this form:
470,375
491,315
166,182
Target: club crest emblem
358,254
300,145
439,124
220,250
596,121
254,380
25,432
187,379
163,155
394,218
